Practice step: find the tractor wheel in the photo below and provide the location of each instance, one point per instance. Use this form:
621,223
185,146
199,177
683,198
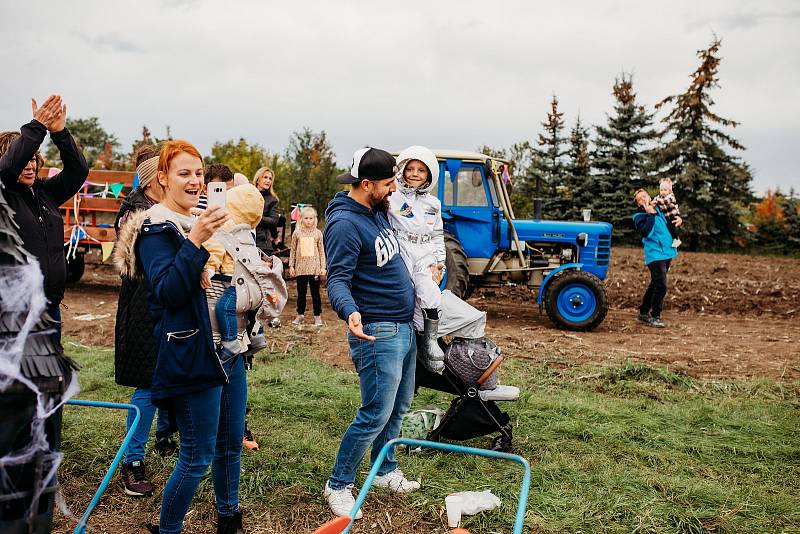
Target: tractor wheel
75,268
457,275
576,300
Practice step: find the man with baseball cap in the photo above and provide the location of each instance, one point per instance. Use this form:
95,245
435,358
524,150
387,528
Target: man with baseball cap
369,287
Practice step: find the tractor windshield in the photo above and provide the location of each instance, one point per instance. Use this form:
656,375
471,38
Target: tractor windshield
468,188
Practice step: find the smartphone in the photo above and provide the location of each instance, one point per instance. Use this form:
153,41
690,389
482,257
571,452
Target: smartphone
216,194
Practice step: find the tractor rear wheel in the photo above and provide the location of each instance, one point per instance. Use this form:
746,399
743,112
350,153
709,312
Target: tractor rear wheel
457,275
576,300
75,268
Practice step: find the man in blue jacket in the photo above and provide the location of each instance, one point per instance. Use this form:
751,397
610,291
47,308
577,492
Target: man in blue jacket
658,253
369,287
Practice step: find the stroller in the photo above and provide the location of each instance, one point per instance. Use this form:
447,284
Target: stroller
474,411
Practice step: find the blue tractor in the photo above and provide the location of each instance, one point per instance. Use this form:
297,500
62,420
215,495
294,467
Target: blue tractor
565,263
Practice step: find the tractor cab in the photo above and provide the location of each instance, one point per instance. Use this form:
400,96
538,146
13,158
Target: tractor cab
564,262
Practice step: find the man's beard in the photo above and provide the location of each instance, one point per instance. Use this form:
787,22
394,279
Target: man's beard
379,204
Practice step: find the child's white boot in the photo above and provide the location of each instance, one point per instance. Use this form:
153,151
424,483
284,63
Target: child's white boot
433,357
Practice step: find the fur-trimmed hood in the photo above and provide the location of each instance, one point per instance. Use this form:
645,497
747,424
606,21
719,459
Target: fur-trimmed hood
124,252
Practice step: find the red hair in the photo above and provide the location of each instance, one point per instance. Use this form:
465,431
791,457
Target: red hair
171,149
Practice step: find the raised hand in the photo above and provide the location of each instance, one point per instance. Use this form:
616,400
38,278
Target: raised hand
52,114
61,120
208,223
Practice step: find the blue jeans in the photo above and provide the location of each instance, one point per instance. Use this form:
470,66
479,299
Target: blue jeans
141,398
225,310
211,425
386,374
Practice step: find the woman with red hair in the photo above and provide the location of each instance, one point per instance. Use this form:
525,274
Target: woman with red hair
206,395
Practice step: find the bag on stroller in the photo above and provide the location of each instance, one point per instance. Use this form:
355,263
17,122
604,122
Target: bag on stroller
472,362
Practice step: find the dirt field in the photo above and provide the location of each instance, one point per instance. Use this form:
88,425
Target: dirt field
727,315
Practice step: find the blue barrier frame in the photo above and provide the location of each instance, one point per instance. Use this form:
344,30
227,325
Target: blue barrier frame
80,528
448,447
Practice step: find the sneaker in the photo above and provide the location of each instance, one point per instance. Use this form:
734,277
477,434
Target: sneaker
299,320
676,243
166,446
135,480
341,501
318,321
248,441
396,482
656,322
644,318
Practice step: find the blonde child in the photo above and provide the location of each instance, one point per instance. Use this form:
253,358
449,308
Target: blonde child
307,263
244,204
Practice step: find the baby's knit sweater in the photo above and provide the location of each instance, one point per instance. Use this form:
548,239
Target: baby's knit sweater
307,256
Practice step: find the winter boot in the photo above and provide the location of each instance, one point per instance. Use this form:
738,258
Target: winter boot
432,355
230,524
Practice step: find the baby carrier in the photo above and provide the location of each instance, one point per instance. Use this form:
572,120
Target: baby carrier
252,277
471,362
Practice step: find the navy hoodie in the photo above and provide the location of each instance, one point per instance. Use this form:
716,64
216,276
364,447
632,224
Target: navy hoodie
366,273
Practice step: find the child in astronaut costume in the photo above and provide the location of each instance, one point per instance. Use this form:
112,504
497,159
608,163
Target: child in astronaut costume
415,214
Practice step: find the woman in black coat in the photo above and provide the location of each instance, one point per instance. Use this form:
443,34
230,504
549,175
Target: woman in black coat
36,202
267,229
134,345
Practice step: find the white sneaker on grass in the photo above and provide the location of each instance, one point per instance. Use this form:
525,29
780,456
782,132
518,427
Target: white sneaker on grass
341,501
396,482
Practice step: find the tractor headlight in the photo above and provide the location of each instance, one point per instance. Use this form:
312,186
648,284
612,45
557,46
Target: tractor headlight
582,240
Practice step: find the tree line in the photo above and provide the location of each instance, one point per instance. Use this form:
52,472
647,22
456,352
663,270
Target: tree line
304,173
599,168
563,171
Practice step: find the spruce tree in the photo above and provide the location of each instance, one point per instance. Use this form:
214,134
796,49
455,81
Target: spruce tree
548,164
621,159
710,184
790,204
578,170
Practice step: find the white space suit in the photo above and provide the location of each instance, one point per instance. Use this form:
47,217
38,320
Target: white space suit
416,218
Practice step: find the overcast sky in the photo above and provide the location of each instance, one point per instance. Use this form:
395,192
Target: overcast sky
446,74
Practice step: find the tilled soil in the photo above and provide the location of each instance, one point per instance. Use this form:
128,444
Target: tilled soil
727,315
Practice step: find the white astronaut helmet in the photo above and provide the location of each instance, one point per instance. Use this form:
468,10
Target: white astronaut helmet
426,156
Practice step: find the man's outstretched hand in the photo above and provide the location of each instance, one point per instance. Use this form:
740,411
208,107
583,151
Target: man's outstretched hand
356,328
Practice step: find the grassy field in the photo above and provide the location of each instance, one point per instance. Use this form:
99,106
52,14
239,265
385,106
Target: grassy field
623,449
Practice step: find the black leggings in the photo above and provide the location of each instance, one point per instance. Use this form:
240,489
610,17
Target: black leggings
302,282
653,300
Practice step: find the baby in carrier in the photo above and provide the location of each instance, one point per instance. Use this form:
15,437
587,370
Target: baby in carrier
416,218
666,202
256,282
